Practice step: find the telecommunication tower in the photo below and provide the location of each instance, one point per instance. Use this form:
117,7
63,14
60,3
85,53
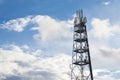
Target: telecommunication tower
81,68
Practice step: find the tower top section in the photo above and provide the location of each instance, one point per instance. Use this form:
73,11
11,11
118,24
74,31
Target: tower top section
79,18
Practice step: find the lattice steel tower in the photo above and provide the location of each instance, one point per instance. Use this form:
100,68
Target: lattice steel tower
81,68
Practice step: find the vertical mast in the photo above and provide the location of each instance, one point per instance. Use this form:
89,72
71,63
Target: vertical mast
81,62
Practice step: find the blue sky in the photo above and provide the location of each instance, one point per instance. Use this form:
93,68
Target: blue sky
58,9
36,35
54,8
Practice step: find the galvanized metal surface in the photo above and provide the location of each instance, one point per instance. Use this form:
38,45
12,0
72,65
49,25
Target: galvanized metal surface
81,68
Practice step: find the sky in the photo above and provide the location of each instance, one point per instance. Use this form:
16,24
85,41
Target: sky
36,38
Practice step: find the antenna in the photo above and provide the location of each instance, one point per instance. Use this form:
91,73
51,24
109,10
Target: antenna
81,68
79,18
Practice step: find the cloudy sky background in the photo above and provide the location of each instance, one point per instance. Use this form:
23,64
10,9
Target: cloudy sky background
36,38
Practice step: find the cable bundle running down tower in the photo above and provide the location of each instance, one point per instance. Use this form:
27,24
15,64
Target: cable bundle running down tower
81,68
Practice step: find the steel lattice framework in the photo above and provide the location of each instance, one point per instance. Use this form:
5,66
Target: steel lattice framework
81,68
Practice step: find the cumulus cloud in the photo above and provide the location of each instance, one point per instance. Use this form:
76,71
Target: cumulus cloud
16,24
103,29
22,63
16,64
104,53
11,57
49,28
50,32
105,57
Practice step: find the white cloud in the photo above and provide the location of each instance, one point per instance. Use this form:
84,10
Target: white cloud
105,57
104,46
103,74
106,3
25,47
96,71
57,65
103,29
52,33
50,29
27,66
12,52
16,24
10,57
15,62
